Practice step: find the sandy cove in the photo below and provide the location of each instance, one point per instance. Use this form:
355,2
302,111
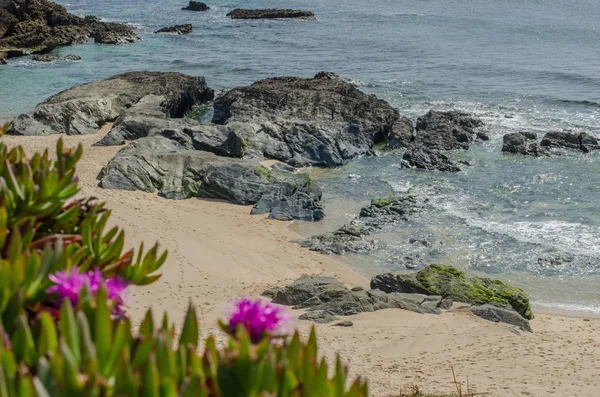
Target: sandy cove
218,251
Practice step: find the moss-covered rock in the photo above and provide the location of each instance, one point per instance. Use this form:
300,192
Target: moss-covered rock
453,283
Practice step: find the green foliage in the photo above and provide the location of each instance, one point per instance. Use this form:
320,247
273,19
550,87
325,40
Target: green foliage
83,349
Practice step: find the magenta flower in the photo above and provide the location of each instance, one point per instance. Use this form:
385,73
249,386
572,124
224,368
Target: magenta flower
68,285
260,318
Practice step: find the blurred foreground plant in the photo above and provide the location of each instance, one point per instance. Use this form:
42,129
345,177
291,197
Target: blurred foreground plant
63,328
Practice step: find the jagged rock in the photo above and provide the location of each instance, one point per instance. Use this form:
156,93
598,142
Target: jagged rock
171,166
52,57
529,135
446,130
38,26
322,121
482,136
568,140
523,143
84,109
178,29
389,210
428,160
240,13
403,134
498,314
318,316
445,304
305,288
450,282
196,6
348,238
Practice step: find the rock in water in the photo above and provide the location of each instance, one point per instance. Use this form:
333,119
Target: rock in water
240,13
52,58
196,6
83,109
323,121
171,166
348,238
568,140
450,282
38,26
446,130
428,160
178,29
498,314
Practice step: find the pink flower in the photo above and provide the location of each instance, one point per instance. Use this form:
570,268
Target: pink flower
68,285
260,318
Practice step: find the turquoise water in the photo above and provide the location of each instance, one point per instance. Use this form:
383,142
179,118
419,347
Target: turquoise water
519,64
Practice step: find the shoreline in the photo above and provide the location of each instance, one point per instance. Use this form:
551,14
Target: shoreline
218,251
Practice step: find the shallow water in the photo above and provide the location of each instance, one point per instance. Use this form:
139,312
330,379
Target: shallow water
518,64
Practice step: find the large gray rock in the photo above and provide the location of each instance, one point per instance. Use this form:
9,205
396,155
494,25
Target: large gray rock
177,29
428,160
453,283
351,238
326,297
196,6
446,130
322,121
38,26
568,140
271,13
498,314
85,108
170,165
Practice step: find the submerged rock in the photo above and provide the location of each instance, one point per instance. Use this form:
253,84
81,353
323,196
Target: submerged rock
240,13
38,26
178,29
84,109
323,121
498,314
428,160
450,282
390,210
171,166
196,6
52,58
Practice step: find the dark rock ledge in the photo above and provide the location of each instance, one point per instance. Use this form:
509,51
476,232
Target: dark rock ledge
240,13
428,292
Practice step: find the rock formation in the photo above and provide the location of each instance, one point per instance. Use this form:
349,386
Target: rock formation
240,13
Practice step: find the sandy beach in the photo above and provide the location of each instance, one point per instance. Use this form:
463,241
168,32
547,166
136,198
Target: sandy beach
218,251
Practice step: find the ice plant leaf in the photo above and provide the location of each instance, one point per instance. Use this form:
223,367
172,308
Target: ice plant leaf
189,332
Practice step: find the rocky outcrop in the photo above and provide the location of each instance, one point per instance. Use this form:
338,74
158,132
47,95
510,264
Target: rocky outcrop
323,121
169,164
450,282
121,98
38,26
177,29
498,314
196,6
326,297
567,140
55,58
354,237
519,144
240,13
428,160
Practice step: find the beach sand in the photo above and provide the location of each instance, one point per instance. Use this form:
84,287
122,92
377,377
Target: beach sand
218,251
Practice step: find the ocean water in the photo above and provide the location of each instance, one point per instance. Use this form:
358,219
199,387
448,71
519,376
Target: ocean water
518,64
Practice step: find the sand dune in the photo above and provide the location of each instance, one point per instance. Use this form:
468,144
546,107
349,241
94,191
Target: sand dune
218,251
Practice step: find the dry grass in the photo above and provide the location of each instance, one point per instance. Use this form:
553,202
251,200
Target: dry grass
417,392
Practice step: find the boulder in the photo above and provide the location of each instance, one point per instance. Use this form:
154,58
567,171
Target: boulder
38,26
390,210
568,140
240,13
403,134
170,165
446,130
323,121
498,314
196,6
52,58
177,29
453,283
428,160
326,297
349,238
523,143
85,108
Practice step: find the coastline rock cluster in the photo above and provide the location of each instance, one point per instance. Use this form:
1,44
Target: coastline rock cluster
271,13
526,143
177,29
429,291
38,26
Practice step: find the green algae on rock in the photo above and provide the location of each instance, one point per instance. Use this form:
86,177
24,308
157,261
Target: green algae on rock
453,283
